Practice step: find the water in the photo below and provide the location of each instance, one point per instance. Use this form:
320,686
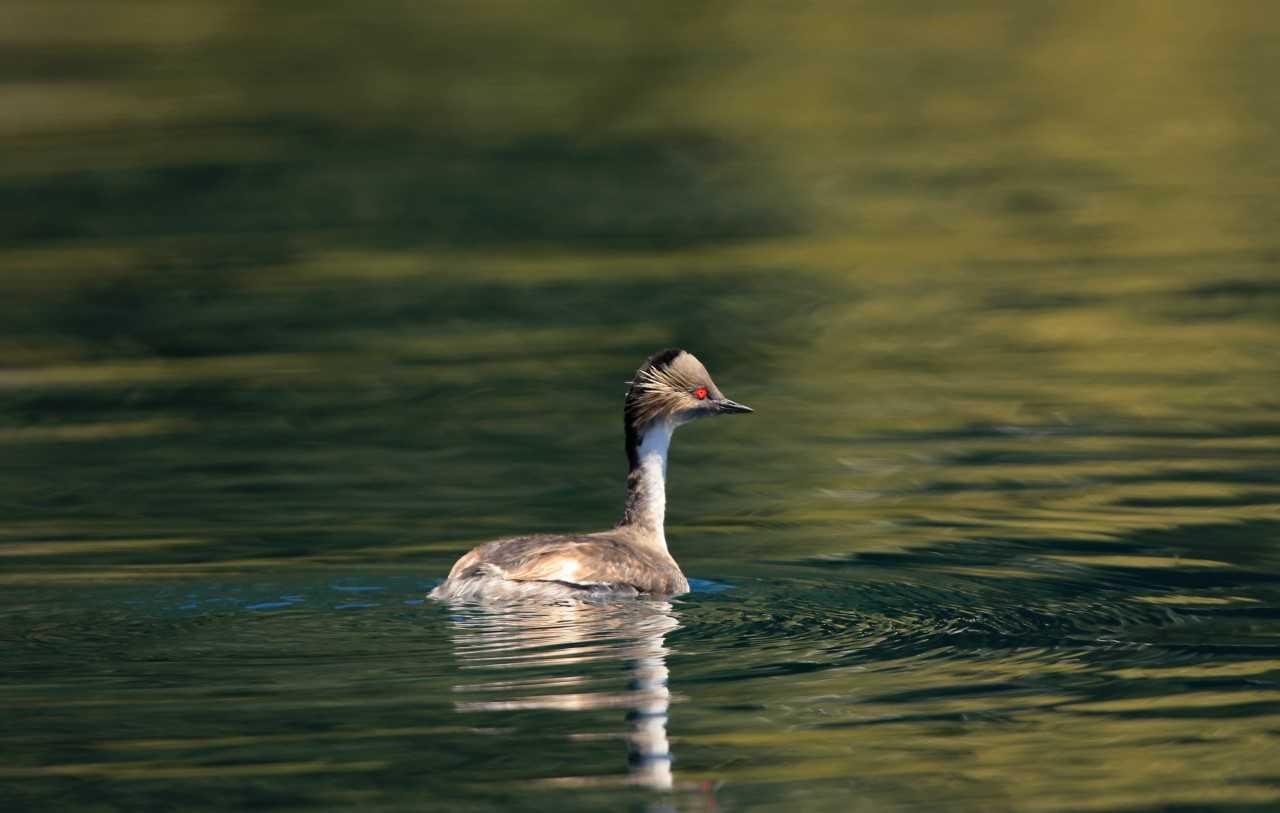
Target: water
295,307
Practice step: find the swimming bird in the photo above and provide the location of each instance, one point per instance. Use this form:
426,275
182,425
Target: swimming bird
669,390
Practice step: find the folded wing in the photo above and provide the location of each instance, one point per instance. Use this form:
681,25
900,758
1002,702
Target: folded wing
590,561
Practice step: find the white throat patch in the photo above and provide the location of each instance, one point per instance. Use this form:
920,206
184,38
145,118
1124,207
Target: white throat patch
656,441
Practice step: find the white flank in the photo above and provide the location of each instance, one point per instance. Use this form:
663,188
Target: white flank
568,569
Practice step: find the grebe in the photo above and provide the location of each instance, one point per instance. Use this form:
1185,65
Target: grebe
670,389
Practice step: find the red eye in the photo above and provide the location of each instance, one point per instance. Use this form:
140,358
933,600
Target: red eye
700,393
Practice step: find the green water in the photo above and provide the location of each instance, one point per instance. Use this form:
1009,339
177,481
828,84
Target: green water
298,302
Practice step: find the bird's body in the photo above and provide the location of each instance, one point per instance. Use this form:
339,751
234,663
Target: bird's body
607,563
631,559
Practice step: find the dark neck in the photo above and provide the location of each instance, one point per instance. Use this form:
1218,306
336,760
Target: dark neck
646,504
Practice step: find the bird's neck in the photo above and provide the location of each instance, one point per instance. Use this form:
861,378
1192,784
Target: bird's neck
646,505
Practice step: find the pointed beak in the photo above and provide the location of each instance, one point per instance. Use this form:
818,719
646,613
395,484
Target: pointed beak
725,405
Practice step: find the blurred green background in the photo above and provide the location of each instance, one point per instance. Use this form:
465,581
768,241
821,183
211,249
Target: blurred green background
333,289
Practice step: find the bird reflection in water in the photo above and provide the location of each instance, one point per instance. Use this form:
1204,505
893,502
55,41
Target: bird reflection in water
563,653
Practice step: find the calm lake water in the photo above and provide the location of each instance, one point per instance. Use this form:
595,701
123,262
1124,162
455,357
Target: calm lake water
297,304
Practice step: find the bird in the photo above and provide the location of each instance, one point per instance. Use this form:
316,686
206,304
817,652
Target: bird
669,390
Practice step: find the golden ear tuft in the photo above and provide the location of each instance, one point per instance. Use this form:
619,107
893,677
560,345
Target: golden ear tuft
655,393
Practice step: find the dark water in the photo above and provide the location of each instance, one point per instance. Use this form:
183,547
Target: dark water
299,302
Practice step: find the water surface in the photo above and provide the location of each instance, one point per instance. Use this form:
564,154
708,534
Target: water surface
295,308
